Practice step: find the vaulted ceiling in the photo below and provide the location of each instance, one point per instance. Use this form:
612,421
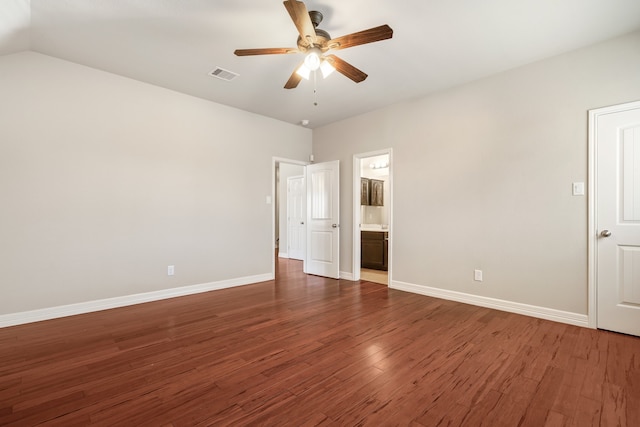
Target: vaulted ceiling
436,44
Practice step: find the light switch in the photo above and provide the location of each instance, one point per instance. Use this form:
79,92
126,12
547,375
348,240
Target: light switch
268,200
578,188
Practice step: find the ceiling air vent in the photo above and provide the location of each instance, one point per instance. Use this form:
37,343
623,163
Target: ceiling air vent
223,74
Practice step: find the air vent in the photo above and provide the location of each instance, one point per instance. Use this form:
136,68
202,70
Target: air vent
223,74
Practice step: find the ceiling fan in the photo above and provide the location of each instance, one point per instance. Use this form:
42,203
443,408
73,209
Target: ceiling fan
315,43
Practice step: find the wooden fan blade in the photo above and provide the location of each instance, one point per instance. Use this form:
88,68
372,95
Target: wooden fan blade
300,17
371,35
346,69
294,80
266,51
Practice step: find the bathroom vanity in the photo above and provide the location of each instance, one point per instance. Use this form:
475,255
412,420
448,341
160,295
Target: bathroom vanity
374,248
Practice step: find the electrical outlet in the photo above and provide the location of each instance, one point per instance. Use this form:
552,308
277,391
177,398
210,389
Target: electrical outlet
171,270
477,275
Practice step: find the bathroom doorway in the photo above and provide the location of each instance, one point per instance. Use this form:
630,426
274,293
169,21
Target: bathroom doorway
372,209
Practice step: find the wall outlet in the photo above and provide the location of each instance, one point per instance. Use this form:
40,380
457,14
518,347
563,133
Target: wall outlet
171,270
477,275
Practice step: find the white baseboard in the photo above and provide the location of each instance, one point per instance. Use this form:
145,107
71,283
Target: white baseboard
346,275
13,319
283,255
498,304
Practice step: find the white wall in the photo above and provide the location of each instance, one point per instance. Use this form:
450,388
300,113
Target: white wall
15,21
483,173
286,170
105,181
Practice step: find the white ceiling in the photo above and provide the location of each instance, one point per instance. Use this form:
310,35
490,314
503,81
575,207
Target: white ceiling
436,44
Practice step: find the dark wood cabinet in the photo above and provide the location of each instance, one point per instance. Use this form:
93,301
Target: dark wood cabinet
376,192
374,248
364,191
371,192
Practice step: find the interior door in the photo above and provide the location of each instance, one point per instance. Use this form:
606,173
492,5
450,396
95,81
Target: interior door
296,217
323,214
618,221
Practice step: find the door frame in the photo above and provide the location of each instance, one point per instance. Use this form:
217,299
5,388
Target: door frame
357,158
275,161
592,233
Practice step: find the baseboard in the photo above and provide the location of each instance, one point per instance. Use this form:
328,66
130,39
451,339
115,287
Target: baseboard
498,304
283,255
13,319
346,275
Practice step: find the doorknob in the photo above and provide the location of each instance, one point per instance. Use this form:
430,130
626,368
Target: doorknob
301,222
605,233
334,225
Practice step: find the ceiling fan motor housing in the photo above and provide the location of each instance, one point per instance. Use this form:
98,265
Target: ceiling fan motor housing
322,37
316,18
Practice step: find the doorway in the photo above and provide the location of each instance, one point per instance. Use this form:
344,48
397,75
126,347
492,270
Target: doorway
282,169
321,252
372,208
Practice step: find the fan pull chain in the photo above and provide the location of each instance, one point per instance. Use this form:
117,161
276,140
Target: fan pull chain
315,88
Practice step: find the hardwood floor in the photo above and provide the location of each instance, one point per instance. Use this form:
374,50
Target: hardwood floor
305,351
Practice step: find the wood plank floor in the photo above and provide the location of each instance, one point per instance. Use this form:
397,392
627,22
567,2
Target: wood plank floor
305,351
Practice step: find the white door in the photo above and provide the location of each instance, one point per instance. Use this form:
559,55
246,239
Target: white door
323,214
296,217
618,220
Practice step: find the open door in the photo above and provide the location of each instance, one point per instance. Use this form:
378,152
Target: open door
323,215
617,204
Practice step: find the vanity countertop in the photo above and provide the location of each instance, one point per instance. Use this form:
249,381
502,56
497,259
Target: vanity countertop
374,227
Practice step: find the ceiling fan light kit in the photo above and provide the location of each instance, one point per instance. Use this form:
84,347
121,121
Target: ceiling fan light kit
304,72
312,60
326,68
315,43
